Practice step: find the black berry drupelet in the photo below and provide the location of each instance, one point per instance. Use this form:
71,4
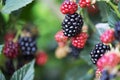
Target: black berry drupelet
99,51
117,31
27,45
72,24
74,51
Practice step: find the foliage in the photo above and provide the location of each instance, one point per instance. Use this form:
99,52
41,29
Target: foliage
48,23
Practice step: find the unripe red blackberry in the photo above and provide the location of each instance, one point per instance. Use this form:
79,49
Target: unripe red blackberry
61,52
10,49
41,58
61,38
27,45
9,37
110,59
107,36
84,3
99,50
80,40
72,24
68,7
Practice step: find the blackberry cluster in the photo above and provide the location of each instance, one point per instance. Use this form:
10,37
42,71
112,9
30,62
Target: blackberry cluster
72,24
74,51
99,51
10,49
117,31
28,45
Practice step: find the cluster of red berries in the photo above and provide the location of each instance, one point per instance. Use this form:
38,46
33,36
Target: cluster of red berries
70,7
78,41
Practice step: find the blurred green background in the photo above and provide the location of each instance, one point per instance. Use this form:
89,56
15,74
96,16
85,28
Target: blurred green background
46,16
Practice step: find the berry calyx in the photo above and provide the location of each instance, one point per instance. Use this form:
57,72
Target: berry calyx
11,49
68,7
41,58
99,50
72,24
80,40
107,36
84,3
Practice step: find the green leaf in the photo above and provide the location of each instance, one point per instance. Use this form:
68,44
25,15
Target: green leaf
2,77
79,72
24,73
12,5
1,46
112,19
104,10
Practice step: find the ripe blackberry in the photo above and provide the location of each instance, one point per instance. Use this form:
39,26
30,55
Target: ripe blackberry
104,75
9,67
10,49
74,51
68,7
72,24
27,45
107,75
117,31
98,52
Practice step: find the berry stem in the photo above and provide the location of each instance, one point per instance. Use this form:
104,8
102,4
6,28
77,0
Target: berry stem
114,8
91,27
17,35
